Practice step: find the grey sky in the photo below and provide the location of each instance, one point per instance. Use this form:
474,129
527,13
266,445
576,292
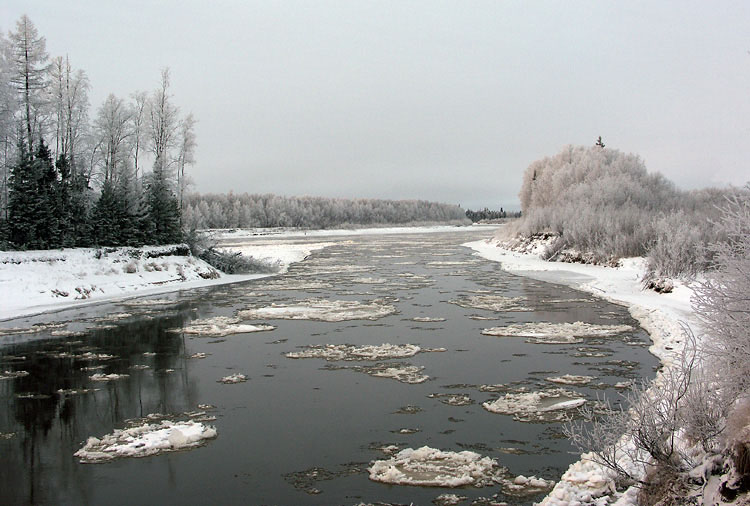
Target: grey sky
445,101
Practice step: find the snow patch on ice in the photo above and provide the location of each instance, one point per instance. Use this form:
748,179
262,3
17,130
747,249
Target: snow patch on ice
145,440
429,467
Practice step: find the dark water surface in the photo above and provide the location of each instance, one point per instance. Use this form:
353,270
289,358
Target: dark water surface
300,431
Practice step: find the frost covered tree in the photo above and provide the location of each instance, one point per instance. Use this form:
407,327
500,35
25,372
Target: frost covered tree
164,124
70,103
186,153
139,106
112,128
29,76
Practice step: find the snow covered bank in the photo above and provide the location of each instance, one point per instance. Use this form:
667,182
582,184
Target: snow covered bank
659,314
33,282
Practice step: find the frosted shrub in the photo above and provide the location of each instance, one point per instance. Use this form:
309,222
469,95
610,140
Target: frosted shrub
605,205
722,301
679,248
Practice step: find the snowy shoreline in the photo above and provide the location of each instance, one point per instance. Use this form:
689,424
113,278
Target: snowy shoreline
36,282
661,315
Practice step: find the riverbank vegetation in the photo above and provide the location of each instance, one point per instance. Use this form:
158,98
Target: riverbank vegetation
604,203
71,180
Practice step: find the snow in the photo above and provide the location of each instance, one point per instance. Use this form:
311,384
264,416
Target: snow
348,352
280,255
221,326
586,482
429,467
322,310
145,440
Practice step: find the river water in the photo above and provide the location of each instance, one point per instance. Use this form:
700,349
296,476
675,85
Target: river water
305,430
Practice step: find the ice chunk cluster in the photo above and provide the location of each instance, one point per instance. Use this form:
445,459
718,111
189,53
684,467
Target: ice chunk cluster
540,406
221,326
144,440
348,352
321,310
429,467
571,379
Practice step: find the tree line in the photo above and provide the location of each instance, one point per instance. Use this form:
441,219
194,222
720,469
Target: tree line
67,179
231,210
488,214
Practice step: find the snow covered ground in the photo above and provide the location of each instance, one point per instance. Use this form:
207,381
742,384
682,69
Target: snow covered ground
240,234
660,315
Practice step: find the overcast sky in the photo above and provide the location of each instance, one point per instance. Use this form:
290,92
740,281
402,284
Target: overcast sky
446,101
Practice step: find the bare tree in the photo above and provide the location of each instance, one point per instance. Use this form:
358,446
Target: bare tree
163,125
29,60
186,154
139,138
69,97
112,127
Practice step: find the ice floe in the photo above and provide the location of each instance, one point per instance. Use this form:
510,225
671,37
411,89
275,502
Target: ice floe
221,326
107,377
145,440
233,378
453,399
335,352
524,486
401,372
571,379
322,310
449,499
427,319
556,333
13,374
429,467
492,303
540,406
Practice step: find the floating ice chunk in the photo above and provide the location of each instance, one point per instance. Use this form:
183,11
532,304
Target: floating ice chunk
492,303
427,319
448,499
13,374
556,333
221,326
233,378
524,486
322,310
571,379
453,399
73,391
200,354
348,352
140,367
540,406
107,377
404,373
370,281
144,440
429,467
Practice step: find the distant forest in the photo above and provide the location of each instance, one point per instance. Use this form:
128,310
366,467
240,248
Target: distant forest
267,210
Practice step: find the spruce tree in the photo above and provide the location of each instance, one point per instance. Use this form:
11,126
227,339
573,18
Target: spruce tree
163,211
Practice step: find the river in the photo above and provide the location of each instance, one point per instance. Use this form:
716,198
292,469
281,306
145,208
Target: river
305,430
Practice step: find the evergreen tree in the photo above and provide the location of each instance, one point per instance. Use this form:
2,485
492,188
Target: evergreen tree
31,200
163,222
